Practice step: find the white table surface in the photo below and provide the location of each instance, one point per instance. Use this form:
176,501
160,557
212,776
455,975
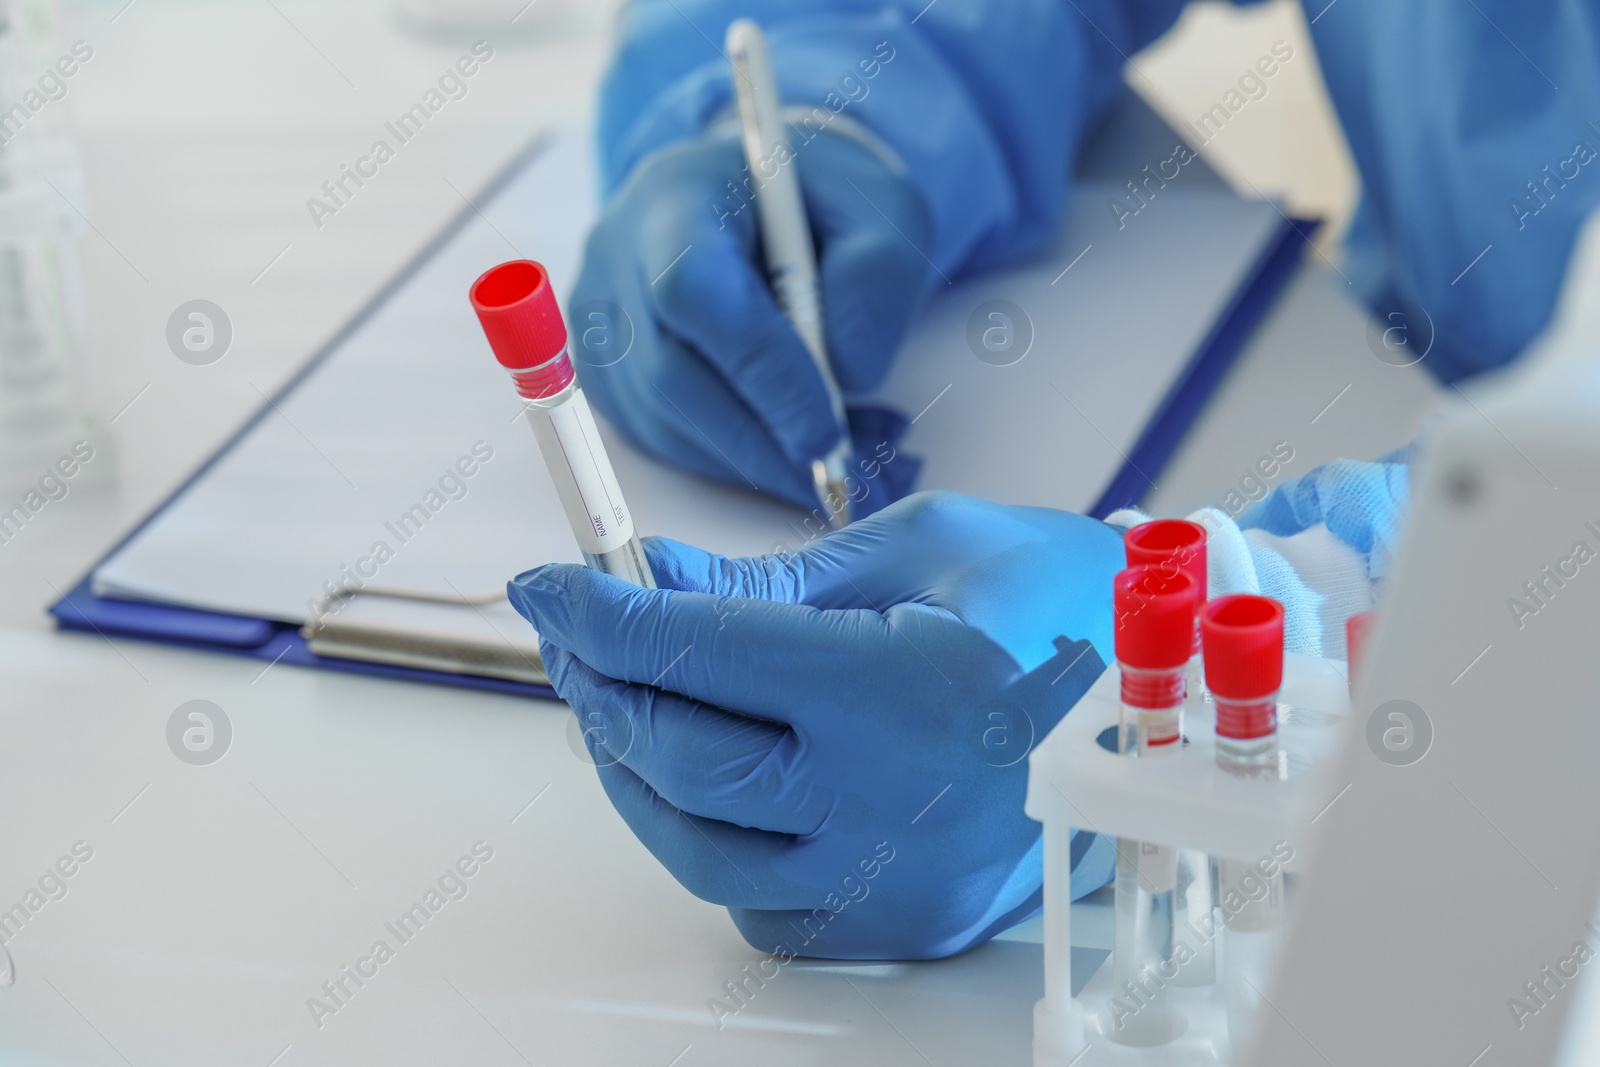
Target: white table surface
220,898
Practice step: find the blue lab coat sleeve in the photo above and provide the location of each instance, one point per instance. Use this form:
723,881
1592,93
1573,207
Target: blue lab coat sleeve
1475,127
985,101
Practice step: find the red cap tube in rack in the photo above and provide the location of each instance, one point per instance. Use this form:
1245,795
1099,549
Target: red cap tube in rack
1154,612
1357,628
1179,541
1243,638
1171,544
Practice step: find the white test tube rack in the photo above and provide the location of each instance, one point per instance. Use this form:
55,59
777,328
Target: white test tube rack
1185,801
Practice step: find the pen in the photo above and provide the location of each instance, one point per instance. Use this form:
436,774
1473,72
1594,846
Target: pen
786,239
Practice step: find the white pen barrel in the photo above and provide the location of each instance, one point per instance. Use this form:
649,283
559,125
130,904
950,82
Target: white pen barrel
786,240
801,301
785,231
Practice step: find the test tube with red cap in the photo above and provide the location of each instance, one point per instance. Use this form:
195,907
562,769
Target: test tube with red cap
1175,545
1179,546
1243,638
518,311
1154,617
1356,630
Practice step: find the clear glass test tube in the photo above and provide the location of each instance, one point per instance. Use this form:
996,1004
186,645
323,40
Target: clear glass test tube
518,310
570,443
1250,940
1243,639
1177,545
1143,961
1154,624
1194,909
1194,916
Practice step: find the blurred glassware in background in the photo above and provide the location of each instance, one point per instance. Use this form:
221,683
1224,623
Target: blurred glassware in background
44,400
527,20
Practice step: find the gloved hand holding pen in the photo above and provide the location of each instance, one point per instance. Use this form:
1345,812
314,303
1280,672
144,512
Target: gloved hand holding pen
717,380
984,105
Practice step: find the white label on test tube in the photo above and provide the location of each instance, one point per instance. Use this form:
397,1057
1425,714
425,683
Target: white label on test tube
582,473
522,321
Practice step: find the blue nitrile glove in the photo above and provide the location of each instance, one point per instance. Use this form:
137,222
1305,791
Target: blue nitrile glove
985,101
832,743
717,380
1362,504
1476,156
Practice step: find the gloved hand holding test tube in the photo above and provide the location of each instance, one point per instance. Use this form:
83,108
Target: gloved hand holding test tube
786,239
518,311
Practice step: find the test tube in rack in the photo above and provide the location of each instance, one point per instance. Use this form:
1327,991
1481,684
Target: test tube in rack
1175,545
1179,546
1243,641
1356,630
1154,634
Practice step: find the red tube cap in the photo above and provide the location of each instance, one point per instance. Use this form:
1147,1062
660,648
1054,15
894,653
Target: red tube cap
1155,618
1168,542
1356,630
1243,641
517,308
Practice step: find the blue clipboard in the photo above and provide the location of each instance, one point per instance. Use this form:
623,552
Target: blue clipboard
270,641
